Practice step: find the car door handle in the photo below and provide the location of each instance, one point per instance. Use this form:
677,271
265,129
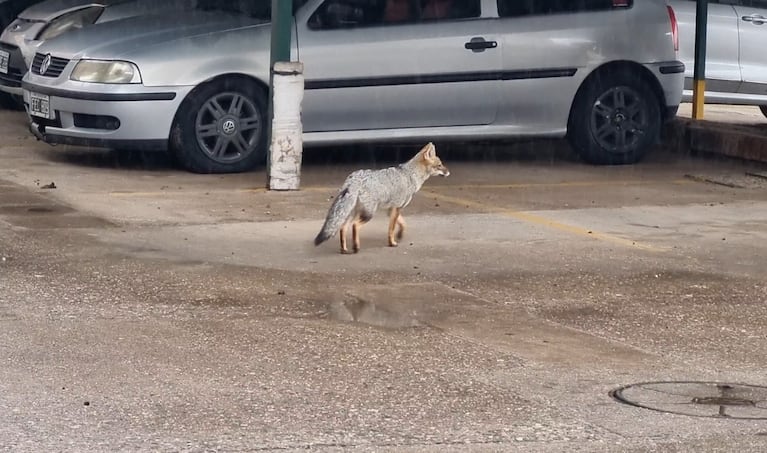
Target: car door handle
756,19
479,44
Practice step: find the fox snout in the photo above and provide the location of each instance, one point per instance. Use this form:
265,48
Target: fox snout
443,171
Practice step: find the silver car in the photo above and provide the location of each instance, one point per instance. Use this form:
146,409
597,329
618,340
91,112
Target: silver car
46,20
736,57
9,9
399,70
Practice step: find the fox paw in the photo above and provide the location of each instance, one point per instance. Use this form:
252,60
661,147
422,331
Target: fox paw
393,243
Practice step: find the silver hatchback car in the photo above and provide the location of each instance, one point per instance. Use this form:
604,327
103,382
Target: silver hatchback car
736,56
50,18
604,73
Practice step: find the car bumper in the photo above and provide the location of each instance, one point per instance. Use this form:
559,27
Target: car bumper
10,81
125,116
670,75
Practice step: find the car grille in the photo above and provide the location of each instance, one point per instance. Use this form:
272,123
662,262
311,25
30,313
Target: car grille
16,66
54,69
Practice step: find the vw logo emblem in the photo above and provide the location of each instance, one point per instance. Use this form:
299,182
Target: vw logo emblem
228,127
45,64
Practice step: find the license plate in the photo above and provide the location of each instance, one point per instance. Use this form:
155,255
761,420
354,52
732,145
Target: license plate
40,105
4,58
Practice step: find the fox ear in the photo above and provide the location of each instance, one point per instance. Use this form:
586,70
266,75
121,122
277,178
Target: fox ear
429,151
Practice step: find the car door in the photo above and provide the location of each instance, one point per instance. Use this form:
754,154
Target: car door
546,43
752,16
723,72
365,67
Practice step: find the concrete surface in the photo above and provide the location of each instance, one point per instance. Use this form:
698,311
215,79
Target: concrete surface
148,309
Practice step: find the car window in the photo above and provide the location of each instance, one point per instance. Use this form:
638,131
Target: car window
728,2
260,9
334,14
747,3
516,8
755,3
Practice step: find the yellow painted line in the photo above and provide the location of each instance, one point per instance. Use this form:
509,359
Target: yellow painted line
565,184
439,187
176,192
543,221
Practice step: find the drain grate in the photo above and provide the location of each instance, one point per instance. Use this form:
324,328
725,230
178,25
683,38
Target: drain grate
698,399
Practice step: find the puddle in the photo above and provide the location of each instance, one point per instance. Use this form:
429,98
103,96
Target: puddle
358,310
34,209
22,208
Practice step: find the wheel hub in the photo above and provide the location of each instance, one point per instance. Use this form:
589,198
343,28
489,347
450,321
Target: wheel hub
228,126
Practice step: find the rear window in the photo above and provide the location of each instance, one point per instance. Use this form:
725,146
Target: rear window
517,8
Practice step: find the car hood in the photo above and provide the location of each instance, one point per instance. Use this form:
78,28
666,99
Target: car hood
48,10
118,39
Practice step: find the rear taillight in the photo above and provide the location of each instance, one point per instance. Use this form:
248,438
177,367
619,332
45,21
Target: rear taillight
674,27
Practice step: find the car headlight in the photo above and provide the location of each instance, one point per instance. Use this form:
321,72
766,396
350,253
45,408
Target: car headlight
99,71
69,21
19,25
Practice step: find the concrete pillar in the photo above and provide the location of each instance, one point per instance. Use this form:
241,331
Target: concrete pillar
286,146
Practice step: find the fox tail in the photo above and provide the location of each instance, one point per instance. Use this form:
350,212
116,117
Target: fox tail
340,210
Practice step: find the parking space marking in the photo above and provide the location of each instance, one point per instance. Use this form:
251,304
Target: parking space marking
438,187
533,185
536,219
435,191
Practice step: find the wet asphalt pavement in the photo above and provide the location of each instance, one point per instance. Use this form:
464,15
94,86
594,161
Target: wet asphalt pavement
148,309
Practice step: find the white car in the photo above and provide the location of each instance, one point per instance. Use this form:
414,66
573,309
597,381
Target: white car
374,71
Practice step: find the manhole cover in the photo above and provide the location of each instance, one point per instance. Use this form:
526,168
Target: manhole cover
698,399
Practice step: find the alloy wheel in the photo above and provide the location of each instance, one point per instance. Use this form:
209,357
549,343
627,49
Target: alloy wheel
619,119
227,127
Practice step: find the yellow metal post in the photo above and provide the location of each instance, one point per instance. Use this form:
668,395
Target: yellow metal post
699,77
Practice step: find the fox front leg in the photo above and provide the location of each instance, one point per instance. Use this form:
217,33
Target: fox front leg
393,222
401,225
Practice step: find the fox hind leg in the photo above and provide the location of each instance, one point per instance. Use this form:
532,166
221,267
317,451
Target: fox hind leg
342,235
362,219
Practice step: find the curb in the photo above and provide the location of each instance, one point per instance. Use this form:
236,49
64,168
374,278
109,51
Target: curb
732,140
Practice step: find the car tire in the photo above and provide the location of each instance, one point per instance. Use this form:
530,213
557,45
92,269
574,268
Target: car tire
763,108
615,119
221,127
11,102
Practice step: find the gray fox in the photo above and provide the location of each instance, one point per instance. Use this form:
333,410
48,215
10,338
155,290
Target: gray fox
364,191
